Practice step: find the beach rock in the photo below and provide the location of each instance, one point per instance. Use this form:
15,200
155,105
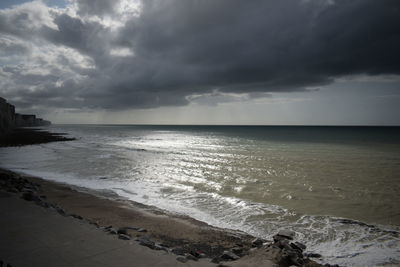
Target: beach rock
229,255
237,250
295,258
299,246
257,242
202,255
122,231
283,244
287,233
278,238
124,237
60,210
76,216
160,247
313,255
181,259
131,228
195,254
107,228
146,242
141,230
112,231
178,251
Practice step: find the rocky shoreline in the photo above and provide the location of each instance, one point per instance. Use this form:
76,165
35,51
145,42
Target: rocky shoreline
188,239
184,237
30,136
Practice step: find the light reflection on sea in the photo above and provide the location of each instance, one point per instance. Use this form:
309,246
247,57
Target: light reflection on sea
258,180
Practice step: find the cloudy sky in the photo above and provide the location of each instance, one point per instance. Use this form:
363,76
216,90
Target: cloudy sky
323,62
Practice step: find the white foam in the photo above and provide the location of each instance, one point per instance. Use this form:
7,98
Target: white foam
174,180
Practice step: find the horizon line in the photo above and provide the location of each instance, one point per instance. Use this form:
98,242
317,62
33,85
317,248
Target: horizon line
228,125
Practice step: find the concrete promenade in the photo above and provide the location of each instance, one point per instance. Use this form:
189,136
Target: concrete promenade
34,236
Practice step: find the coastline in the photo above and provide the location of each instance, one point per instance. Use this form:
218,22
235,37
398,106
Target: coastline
184,239
31,136
182,236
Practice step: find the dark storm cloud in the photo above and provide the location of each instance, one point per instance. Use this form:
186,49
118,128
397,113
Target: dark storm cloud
182,48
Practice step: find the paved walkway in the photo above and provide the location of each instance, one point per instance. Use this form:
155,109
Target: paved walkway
33,236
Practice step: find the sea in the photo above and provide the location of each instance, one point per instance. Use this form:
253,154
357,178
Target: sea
338,188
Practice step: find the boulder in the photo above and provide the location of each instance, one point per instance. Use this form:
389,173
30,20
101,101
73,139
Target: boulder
287,234
257,242
299,246
229,255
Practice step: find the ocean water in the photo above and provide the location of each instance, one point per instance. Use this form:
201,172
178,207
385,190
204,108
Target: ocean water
338,188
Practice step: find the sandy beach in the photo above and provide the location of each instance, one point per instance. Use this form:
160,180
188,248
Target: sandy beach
168,239
45,223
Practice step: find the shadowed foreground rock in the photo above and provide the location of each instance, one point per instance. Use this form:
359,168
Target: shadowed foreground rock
30,136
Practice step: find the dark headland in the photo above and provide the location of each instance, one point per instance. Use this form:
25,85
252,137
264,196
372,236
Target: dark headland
46,223
19,129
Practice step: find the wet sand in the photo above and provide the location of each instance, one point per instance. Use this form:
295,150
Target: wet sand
34,211
180,237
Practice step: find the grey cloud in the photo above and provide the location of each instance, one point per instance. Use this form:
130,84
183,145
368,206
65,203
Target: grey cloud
188,48
89,38
96,7
16,24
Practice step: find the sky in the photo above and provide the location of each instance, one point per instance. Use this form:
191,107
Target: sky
263,62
